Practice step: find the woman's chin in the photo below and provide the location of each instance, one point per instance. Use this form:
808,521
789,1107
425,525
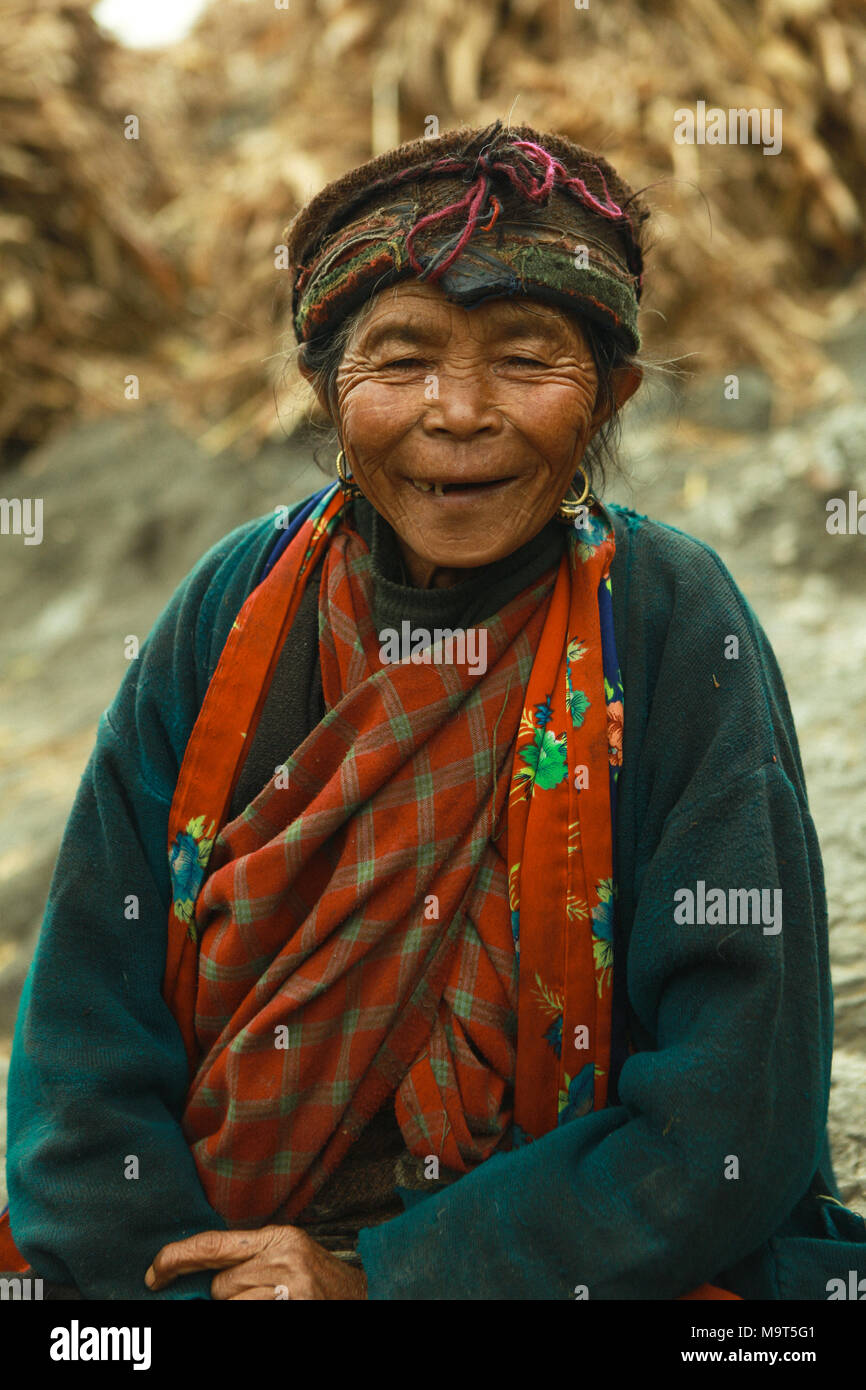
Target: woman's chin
454,552
462,534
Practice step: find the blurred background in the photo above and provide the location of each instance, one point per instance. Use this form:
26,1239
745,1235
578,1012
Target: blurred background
150,157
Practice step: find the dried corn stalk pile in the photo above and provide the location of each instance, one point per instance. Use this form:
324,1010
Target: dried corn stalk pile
756,258
84,290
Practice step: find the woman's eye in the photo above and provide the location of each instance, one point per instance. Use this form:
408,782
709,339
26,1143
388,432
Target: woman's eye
414,362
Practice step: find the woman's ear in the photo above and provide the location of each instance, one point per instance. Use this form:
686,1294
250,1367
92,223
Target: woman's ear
625,381
315,381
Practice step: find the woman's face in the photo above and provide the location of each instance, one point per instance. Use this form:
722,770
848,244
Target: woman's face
464,427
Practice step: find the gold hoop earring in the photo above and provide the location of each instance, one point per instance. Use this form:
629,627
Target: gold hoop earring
569,508
347,483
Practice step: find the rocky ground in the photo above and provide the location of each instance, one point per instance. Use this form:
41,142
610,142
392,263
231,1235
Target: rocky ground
130,504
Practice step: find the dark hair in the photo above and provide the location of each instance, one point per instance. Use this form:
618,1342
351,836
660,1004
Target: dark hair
323,357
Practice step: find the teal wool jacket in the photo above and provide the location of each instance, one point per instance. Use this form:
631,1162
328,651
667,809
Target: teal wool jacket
711,1166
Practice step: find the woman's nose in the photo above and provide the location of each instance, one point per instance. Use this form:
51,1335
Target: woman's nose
460,403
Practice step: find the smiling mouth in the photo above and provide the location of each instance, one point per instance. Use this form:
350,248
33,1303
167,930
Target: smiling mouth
443,489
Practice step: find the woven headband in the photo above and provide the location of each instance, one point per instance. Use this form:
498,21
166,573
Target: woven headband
511,221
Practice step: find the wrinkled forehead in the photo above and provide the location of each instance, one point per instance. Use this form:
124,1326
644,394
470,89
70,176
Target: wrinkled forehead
414,312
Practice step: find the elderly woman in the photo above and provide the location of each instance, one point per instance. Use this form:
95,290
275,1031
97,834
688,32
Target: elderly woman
441,914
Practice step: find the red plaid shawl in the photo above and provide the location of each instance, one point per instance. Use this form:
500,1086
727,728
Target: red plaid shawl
355,938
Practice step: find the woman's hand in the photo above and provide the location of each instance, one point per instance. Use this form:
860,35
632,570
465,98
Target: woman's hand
273,1262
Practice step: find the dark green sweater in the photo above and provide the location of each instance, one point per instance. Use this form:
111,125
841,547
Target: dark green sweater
734,1025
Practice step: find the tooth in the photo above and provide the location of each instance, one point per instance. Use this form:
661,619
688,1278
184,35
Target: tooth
422,487
439,490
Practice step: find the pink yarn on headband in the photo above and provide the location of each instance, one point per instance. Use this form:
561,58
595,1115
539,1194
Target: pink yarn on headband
534,189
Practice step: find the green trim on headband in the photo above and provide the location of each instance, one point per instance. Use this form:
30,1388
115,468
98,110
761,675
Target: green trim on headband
318,299
552,267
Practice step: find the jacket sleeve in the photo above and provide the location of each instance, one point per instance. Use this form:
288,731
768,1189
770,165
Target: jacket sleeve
99,1173
720,1117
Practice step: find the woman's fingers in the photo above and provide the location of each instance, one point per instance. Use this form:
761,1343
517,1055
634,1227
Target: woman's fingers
273,1263
207,1250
